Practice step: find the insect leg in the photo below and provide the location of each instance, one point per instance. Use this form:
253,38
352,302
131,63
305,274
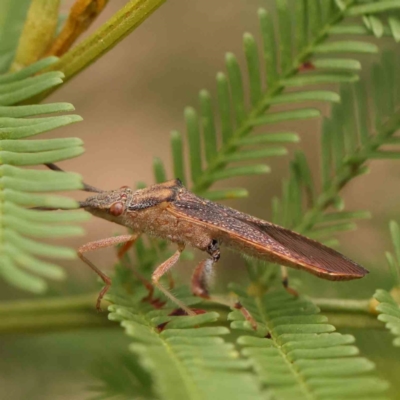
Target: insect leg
200,279
161,270
121,252
203,271
99,244
285,282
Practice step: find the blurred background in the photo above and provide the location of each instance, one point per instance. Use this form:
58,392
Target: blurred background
130,101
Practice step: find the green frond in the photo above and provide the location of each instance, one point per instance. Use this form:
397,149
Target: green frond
186,356
297,355
378,19
388,308
394,260
389,313
21,227
351,137
275,75
346,146
121,377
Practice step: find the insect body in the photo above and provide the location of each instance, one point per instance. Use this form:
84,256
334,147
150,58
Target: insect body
171,212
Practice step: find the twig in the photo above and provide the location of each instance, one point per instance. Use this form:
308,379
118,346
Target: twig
78,312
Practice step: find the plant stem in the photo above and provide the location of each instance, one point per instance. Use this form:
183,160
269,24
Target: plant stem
51,314
347,172
78,312
245,127
344,306
44,323
103,40
81,303
354,321
106,37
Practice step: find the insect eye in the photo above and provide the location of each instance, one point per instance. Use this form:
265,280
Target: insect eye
117,209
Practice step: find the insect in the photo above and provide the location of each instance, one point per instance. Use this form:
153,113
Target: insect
170,211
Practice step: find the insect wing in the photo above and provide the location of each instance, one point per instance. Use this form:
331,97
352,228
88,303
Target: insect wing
267,241
312,255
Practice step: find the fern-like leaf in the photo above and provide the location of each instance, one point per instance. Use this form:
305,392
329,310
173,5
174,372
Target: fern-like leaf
217,141
22,228
388,309
297,354
345,149
351,138
186,359
121,377
389,313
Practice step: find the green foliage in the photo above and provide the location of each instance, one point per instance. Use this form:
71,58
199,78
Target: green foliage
302,357
187,357
123,375
22,228
389,312
350,137
388,308
217,141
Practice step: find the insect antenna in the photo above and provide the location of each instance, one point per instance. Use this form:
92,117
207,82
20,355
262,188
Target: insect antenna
86,187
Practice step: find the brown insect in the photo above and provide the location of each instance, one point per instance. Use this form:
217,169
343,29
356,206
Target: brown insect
169,211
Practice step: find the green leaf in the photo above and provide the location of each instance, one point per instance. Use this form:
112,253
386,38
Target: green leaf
298,97
301,359
159,170
207,120
395,234
183,354
192,126
254,154
224,106
371,8
19,278
20,158
35,109
16,129
225,194
347,46
240,171
281,137
346,215
317,79
20,265
337,63
314,17
301,24
286,116
253,67
34,146
389,313
269,46
376,26
285,36
177,156
394,24
236,86
348,30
